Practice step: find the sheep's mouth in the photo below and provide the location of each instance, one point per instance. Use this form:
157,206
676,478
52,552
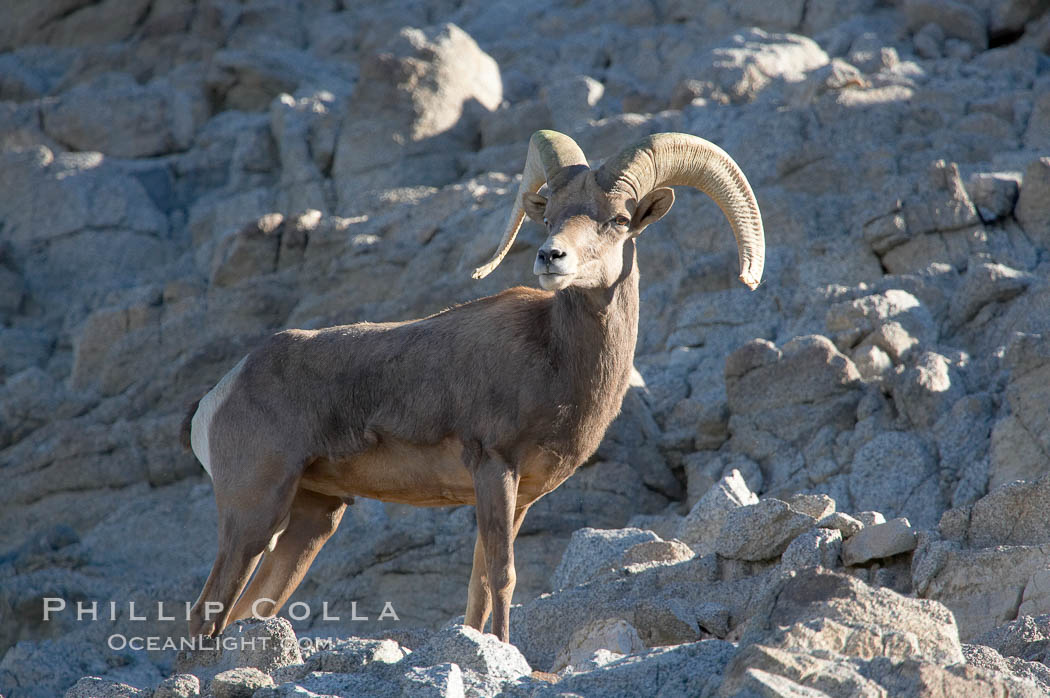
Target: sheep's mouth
553,281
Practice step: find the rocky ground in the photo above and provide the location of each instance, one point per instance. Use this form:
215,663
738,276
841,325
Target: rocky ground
835,485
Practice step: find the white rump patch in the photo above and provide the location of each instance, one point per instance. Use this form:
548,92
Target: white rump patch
202,418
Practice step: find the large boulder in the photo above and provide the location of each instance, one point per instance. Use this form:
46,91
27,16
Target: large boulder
992,557
470,649
794,611
780,398
702,526
590,550
116,116
415,105
1032,210
761,531
264,645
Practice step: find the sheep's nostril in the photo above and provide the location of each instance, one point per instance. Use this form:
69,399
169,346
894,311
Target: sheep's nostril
547,256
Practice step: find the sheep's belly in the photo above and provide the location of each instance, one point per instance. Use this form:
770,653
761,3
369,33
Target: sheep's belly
397,471
434,475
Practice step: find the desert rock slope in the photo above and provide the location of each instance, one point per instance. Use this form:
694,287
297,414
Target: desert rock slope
834,485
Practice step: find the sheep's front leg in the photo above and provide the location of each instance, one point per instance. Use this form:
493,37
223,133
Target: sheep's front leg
479,600
495,492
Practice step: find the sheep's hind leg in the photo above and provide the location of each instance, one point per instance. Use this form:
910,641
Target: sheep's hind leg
479,599
250,513
313,519
495,492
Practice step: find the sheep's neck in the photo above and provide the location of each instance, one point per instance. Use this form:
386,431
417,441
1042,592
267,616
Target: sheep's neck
596,331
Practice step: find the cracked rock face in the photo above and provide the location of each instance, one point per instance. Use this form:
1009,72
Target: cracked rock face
856,448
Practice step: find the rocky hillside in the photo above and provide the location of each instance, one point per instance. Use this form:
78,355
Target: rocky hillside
811,488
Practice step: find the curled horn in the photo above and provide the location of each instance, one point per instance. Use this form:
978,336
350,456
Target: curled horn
667,159
549,151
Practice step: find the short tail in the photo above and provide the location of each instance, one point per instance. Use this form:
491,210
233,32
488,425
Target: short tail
187,425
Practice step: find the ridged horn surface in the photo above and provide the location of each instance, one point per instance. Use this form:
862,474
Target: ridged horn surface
549,152
668,159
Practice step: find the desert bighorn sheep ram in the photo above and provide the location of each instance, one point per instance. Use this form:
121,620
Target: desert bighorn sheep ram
492,403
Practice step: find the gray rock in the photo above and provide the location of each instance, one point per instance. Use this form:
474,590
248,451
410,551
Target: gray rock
841,522
12,291
818,506
1012,15
769,669
1008,516
786,16
994,193
265,645
879,541
986,283
761,377
239,683
895,473
414,94
872,362
250,78
702,526
871,518
1033,211
472,650
102,207
94,687
335,684
440,681
344,657
962,444
907,321
922,678
954,18
664,552
178,686
590,550
680,670
1026,638
571,100
982,587
247,252
1015,454
761,531
663,525
792,611
1028,360
115,115
65,23
112,319
1035,138
1035,600
987,658
612,634
754,61
818,547
779,401
667,604
762,683
929,40
305,132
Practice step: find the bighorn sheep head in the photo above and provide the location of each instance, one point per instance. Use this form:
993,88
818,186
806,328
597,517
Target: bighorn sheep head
589,214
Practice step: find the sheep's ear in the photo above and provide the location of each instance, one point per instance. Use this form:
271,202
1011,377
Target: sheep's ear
651,208
535,206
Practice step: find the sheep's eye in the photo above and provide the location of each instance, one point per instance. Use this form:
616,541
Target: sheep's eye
546,222
623,221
